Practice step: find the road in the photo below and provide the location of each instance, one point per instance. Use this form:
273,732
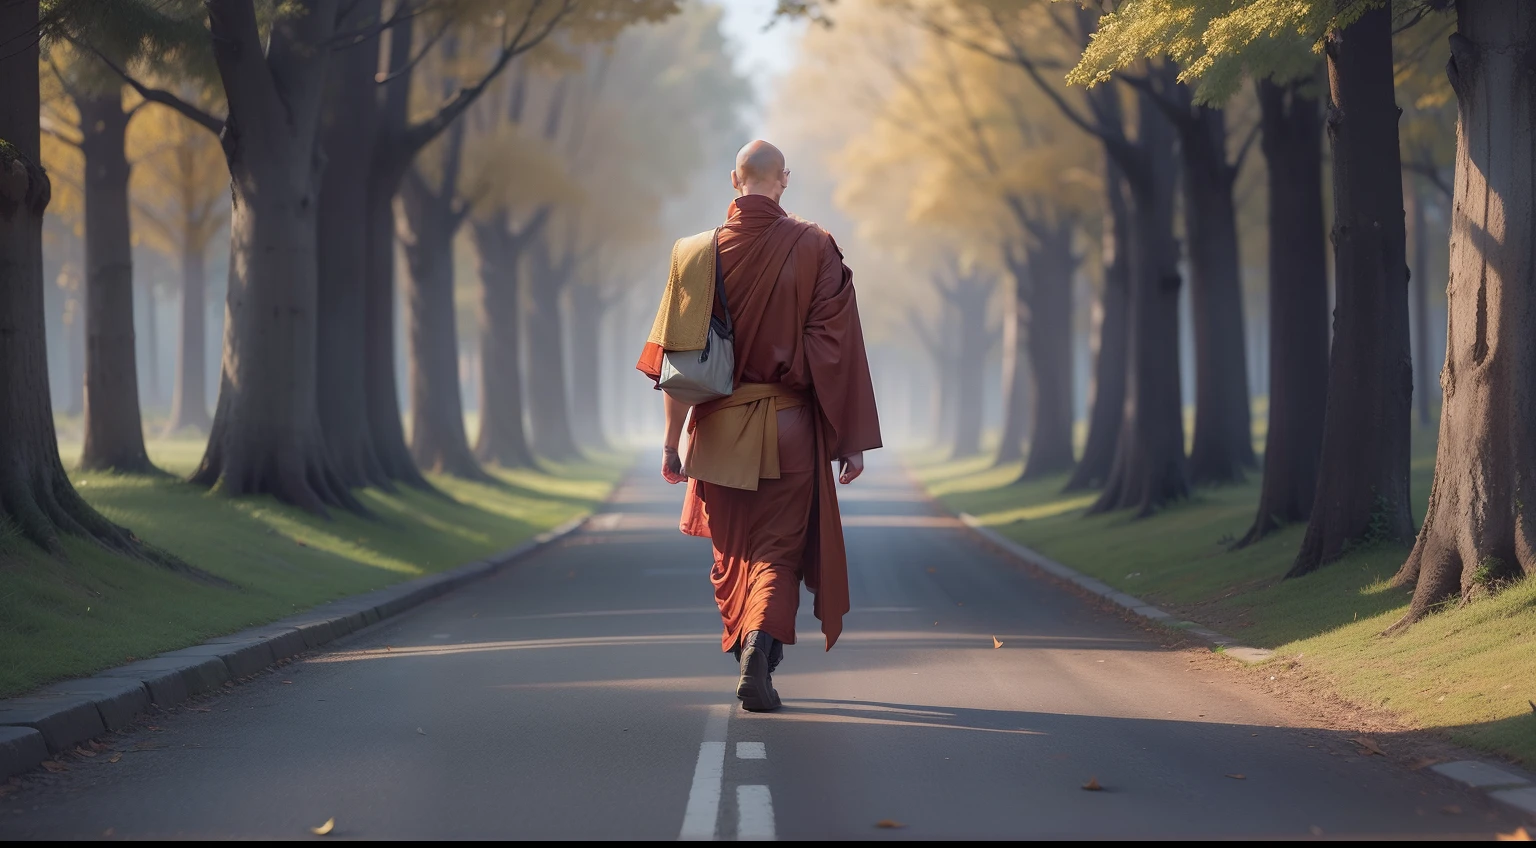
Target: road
581,694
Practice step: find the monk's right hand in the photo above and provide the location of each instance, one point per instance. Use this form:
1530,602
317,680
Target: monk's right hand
852,467
671,466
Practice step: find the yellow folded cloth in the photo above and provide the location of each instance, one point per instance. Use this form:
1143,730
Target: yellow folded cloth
682,321
734,441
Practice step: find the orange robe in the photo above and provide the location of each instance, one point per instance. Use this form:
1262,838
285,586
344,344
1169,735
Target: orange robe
796,324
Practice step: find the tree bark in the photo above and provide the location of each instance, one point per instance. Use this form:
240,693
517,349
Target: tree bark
1107,407
970,297
1418,290
1223,442
189,398
114,429
266,436
36,497
347,142
1149,470
1016,363
503,437
1049,343
548,407
587,309
427,223
1291,123
1362,486
1480,528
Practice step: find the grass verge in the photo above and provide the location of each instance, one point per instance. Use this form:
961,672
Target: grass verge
1464,670
67,619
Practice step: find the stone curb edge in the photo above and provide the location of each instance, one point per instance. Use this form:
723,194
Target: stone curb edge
62,715
1225,644
1500,782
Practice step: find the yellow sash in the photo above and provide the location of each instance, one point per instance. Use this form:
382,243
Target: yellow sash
734,441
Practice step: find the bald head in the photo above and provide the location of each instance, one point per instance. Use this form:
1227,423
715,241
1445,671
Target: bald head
760,170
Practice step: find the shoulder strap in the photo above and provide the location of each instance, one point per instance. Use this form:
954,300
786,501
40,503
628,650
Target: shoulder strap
725,306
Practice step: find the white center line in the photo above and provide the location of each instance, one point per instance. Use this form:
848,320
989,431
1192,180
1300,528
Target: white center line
751,751
754,813
702,815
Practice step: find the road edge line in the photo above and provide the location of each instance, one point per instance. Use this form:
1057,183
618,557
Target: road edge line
55,718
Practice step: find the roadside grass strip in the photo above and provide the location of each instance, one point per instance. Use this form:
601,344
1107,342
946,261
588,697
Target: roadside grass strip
1465,670
63,619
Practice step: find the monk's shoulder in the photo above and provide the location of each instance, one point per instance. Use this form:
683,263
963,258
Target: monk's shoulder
815,235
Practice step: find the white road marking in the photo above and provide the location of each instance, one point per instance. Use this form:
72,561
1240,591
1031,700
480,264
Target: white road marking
751,751
701,818
754,813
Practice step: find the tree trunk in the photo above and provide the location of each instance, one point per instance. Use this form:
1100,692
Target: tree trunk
1149,470
36,497
114,430
1109,358
385,427
547,402
587,310
1362,486
427,224
1223,443
347,143
1480,528
972,344
189,399
1298,306
1016,365
503,438
1049,341
1418,289
266,436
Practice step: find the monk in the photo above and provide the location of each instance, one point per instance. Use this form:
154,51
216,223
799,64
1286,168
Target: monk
759,464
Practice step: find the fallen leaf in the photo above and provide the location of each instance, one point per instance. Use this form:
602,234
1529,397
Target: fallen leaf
54,766
1368,746
115,757
85,753
422,732
996,643
1093,785
933,571
1238,776
1451,809
108,832
889,823
1519,835
330,824
1424,762
388,648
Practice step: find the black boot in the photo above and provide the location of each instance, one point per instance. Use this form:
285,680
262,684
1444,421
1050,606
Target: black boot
756,688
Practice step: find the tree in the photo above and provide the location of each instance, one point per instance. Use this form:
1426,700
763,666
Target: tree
36,496
88,114
1481,520
1362,489
1291,131
179,207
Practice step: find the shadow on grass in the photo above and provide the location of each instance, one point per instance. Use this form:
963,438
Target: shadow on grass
63,619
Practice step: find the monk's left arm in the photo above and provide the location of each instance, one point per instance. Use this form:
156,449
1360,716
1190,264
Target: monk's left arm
839,364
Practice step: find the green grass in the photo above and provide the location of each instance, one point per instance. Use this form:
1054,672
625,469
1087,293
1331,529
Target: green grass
66,619
1464,670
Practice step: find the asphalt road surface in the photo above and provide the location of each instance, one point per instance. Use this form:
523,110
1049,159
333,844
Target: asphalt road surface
582,694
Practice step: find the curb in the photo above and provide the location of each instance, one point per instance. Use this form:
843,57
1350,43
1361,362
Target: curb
1499,782
1225,644
62,715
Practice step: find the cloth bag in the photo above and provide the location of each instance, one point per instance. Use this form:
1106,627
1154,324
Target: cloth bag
700,376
